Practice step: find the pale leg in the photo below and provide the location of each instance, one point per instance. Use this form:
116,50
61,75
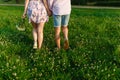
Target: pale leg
34,35
40,34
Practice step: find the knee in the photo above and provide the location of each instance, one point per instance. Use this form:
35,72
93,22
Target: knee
39,31
64,29
57,37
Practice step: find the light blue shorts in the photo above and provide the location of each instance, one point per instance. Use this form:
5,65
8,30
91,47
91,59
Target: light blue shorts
61,20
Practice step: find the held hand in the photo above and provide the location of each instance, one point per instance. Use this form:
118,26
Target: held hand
49,13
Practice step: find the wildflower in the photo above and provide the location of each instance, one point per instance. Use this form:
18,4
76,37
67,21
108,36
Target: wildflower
14,67
114,70
14,74
108,75
40,74
7,64
102,70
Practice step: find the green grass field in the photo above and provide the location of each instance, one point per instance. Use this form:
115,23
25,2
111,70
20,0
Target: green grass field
94,54
11,2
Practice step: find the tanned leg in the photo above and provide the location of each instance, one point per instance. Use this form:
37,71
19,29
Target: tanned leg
65,33
57,36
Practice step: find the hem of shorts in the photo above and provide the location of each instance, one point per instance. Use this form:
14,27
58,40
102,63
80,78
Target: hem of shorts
61,26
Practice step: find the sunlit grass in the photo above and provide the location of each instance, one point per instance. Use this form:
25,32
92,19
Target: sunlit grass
94,54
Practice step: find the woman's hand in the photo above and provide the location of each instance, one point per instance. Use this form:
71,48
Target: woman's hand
49,12
24,15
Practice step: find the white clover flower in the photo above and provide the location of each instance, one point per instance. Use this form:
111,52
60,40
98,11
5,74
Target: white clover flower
17,60
35,69
7,64
119,25
29,70
105,68
14,67
69,65
102,70
64,63
108,75
114,70
14,74
40,74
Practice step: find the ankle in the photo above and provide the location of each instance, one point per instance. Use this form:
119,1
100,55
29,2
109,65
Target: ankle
65,39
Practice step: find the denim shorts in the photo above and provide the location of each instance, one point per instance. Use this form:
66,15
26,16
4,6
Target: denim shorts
61,20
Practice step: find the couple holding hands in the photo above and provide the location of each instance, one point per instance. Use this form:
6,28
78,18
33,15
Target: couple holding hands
38,12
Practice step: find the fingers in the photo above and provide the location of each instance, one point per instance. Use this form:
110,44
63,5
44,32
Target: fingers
50,13
24,15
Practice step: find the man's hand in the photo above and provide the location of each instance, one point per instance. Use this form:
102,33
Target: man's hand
49,13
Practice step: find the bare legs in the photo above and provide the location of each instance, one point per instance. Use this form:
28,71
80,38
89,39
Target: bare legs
65,33
38,34
57,36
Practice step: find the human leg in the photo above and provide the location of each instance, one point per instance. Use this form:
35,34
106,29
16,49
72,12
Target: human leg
40,33
65,20
65,33
57,24
57,36
34,34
